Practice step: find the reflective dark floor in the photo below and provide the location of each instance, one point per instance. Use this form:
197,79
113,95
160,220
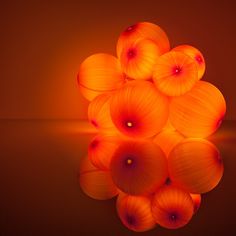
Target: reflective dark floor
40,194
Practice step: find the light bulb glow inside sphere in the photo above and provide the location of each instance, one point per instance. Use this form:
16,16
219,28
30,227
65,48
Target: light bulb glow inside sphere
152,111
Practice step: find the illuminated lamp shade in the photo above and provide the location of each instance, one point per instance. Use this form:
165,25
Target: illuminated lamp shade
139,110
194,54
138,167
167,140
196,201
135,212
101,150
172,207
96,183
143,30
199,112
99,73
99,113
195,165
175,73
138,58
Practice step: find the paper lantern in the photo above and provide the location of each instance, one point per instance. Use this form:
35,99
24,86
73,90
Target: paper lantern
138,167
168,126
98,74
195,165
175,73
95,183
196,201
101,150
172,207
135,212
99,113
194,54
139,110
167,140
143,30
138,58
199,112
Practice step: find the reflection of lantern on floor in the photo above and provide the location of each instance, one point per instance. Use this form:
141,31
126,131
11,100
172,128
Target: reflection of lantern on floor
135,212
96,183
194,54
172,207
199,112
167,140
195,165
196,201
135,108
138,58
101,150
99,113
175,73
138,167
143,30
99,73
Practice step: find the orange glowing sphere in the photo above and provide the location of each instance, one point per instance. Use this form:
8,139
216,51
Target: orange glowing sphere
195,165
139,110
195,54
96,183
196,201
138,58
199,112
138,167
99,113
135,212
168,126
101,150
175,73
167,140
172,207
98,74
143,30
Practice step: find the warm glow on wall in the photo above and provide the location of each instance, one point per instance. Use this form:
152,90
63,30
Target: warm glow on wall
151,112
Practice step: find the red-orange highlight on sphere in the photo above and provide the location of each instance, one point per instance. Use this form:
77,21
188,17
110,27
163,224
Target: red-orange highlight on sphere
172,207
135,108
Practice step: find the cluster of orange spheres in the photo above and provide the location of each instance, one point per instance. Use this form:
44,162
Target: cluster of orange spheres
152,113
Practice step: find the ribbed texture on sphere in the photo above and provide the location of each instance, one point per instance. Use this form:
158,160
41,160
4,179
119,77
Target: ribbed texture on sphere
135,212
195,165
139,110
199,112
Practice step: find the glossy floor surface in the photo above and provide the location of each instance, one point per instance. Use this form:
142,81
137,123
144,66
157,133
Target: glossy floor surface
40,193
